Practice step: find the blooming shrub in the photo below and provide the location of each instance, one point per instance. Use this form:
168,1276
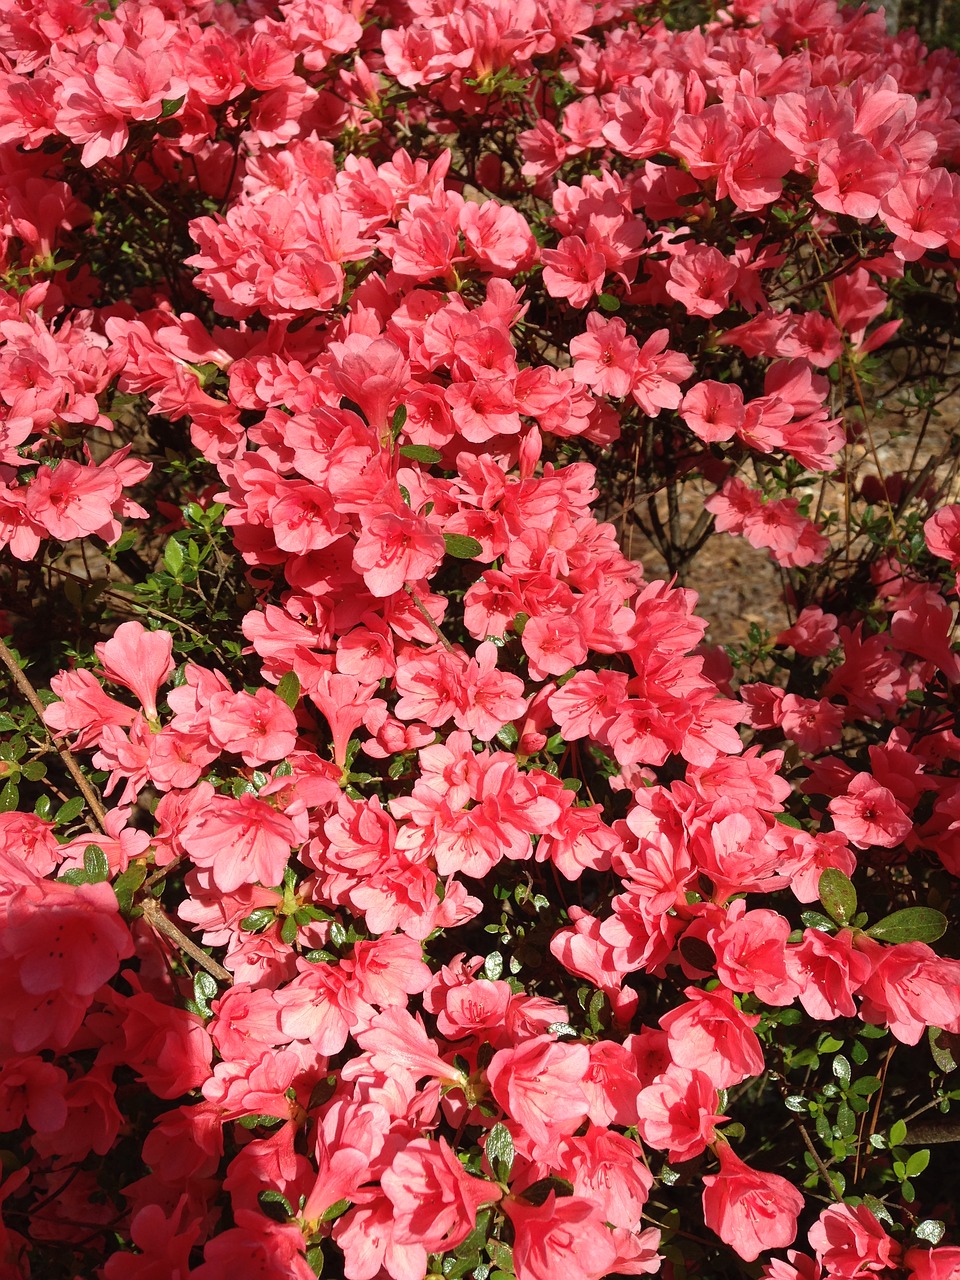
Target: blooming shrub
396,883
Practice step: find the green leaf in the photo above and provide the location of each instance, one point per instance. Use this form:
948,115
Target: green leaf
275,1205
126,885
609,302
788,820
865,1086
917,1163
399,419
898,1131
95,864
288,931
912,924
931,1230
258,919
256,1122
945,1048
814,920
500,1151
74,876
421,453
837,895
173,557
493,966
34,770
9,796
170,106
500,1254
841,1069
805,1058
335,1210
204,990
540,1190
288,690
462,547
69,810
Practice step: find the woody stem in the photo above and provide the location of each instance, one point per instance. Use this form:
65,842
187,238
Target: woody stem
155,916
66,755
428,619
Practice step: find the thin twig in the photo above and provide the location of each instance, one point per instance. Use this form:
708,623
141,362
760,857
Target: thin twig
66,755
155,916
876,1114
428,618
824,1171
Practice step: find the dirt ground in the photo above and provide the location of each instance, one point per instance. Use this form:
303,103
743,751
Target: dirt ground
739,585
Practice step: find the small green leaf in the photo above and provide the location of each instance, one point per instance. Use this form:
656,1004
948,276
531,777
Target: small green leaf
258,919
288,931
126,885
912,924
275,1205
9,797
500,1151
539,1191
837,895
931,1230
493,966
34,770
841,1069
898,1131
74,876
609,302
288,690
95,864
204,990
945,1048
262,1121
814,920
335,1210
399,419
462,547
173,557
788,820
170,106
865,1086
917,1163
420,453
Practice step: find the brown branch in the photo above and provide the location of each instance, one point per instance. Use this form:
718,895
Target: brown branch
824,1171
155,916
66,755
428,618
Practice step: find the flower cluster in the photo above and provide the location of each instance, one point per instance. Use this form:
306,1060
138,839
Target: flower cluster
435,896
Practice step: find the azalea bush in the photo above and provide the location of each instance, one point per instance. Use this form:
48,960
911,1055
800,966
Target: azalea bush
398,881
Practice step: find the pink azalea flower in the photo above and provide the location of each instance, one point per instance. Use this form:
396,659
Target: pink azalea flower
751,1211
242,840
138,659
